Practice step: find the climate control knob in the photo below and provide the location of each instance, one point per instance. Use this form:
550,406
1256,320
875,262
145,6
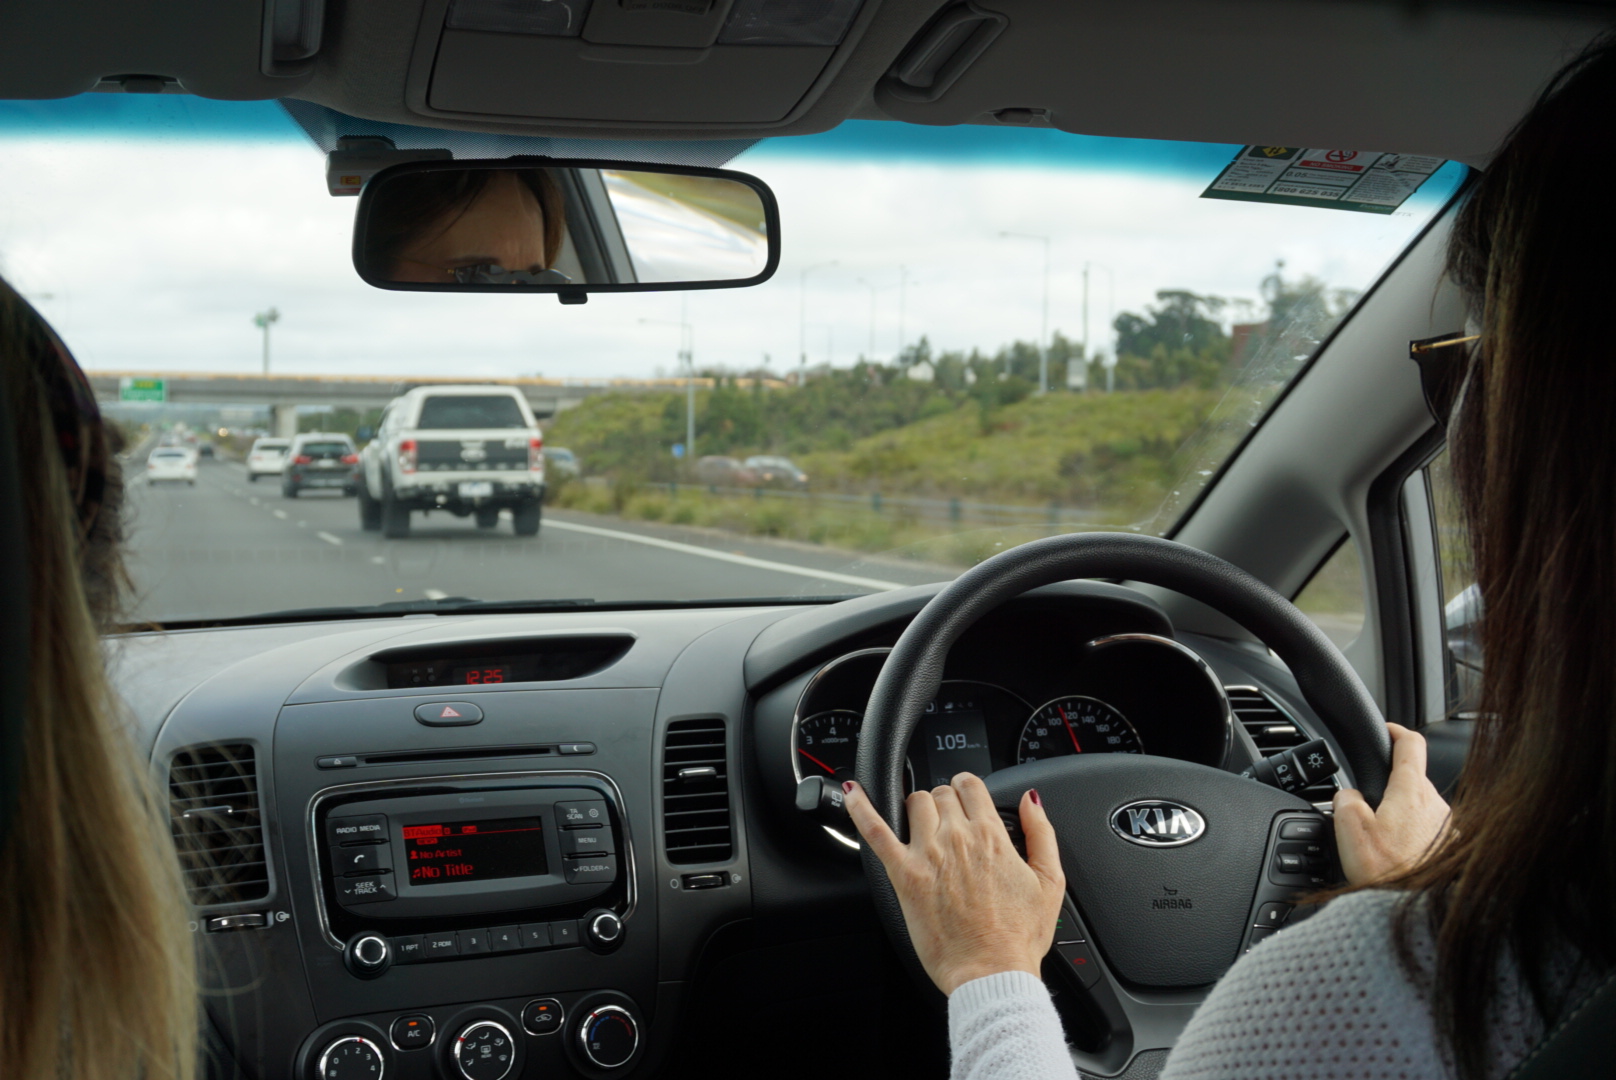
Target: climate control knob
484,1051
351,1058
609,1035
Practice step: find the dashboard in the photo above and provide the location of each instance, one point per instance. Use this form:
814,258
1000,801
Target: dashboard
566,845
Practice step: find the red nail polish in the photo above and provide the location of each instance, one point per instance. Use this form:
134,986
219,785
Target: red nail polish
847,786
1036,801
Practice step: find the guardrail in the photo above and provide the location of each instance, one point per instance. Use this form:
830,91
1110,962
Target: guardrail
955,511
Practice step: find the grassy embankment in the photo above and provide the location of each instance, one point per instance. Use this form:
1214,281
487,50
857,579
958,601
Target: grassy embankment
1115,456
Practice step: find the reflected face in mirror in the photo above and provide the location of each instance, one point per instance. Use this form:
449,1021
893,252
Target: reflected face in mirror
467,226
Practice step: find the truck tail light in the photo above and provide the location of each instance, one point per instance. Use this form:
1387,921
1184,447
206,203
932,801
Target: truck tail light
535,455
406,456
302,459
350,459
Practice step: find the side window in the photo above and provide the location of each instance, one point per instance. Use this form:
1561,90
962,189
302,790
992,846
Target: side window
1461,602
1333,598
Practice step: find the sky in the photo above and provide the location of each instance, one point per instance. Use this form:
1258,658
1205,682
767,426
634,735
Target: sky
151,230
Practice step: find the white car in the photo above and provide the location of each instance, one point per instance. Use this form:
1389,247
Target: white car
267,457
175,463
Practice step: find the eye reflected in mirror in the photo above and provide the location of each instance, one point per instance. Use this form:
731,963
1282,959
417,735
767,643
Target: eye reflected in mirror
566,227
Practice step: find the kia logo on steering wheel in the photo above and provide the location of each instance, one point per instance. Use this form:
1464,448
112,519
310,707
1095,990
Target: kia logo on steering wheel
1157,823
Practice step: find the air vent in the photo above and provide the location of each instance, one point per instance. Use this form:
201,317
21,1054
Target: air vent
214,816
696,826
1273,730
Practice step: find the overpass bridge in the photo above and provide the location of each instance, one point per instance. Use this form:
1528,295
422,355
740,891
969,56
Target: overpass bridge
284,394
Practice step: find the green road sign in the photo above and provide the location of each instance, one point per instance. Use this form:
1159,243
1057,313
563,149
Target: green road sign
142,389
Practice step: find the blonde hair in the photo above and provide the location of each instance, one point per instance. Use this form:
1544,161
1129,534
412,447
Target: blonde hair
97,966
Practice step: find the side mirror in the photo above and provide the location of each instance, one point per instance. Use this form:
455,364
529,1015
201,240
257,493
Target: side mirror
567,227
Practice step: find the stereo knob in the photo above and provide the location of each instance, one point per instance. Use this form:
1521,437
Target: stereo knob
351,1058
603,930
484,1050
609,1035
368,954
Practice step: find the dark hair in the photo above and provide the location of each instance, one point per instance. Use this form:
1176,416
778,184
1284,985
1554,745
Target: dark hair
410,208
1527,871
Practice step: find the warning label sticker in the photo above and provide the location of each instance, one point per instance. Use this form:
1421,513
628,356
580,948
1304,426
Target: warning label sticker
1362,180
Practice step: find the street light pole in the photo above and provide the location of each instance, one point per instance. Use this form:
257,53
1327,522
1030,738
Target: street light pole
264,320
1043,332
687,357
802,314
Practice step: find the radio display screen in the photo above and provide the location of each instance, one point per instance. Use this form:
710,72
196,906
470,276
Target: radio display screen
474,850
482,675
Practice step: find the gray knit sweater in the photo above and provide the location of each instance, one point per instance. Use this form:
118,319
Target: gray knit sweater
1323,1000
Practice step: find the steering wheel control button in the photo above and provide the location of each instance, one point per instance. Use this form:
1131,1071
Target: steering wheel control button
440,946
536,935
1079,959
590,869
484,1051
505,938
352,1058
542,1017
408,949
365,889
570,748
609,1035
1272,914
370,828
1286,862
473,942
587,842
564,933
1304,829
362,858
588,812
337,761
412,1032
1261,934
448,714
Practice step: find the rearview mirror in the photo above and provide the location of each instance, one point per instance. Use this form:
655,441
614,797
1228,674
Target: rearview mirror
566,227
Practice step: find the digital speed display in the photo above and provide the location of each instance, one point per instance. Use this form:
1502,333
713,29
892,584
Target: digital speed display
474,850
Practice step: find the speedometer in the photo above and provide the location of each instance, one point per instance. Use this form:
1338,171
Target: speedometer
1076,725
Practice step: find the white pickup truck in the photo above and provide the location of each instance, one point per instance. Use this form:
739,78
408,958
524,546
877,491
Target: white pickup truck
465,450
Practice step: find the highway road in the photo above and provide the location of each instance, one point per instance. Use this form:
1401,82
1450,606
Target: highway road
227,548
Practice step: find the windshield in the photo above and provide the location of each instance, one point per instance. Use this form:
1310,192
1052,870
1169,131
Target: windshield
977,336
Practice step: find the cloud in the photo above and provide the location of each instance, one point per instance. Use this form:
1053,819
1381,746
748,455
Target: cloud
150,255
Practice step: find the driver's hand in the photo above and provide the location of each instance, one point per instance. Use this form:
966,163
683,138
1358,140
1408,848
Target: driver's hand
973,907
1377,844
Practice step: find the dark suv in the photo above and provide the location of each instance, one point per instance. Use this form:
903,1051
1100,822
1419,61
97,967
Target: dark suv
321,461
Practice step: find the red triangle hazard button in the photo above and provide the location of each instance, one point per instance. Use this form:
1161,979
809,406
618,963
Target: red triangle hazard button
448,713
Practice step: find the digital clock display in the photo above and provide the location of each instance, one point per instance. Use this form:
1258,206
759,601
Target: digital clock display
482,675
474,850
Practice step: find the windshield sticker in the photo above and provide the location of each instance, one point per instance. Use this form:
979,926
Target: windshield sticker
1362,180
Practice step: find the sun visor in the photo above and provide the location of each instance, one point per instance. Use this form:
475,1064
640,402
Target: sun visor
635,62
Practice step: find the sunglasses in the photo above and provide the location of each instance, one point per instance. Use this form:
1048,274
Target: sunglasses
1444,361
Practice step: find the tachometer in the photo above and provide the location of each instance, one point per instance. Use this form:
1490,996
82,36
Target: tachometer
1076,725
826,744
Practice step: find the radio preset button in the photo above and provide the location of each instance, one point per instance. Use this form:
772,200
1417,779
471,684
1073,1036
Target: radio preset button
473,942
564,933
408,949
440,946
347,830
590,869
589,812
365,890
505,938
587,842
536,935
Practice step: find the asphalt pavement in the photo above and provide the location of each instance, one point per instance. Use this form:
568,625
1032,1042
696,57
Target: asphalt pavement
227,547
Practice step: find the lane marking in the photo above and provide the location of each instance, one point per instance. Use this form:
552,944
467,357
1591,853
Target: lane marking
379,560
280,514
434,594
725,556
302,524
328,538
253,499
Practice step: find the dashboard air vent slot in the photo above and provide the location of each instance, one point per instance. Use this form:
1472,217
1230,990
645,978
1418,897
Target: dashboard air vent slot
696,823
1274,729
216,821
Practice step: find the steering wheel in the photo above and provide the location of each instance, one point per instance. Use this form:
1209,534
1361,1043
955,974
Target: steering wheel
1157,959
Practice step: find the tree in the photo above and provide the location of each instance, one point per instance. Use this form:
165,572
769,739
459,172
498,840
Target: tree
1178,341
